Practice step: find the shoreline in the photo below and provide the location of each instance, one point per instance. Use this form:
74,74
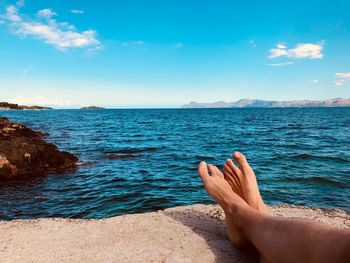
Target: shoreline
194,233
325,210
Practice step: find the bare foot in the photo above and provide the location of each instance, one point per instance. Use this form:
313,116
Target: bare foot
221,191
243,181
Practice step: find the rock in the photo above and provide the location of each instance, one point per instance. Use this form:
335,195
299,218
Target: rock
13,106
23,152
194,233
6,168
92,108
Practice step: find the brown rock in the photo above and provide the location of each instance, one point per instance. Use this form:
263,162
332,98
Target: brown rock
6,168
23,152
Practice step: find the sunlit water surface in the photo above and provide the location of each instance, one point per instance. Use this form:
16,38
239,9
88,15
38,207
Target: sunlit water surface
145,160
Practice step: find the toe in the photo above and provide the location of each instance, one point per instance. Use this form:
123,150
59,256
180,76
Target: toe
214,171
241,160
218,172
203,171
230,175
232,167
231,180
228,170
211,169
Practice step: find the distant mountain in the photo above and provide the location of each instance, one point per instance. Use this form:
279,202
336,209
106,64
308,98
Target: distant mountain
13,106
253,103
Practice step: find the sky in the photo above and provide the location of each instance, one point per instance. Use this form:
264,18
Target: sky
156,53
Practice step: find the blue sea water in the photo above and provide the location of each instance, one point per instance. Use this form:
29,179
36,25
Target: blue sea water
144,160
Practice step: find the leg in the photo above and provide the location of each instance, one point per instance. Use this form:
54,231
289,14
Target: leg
295,240
276,240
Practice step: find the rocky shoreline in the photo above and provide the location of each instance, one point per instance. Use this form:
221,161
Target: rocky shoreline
23,152
13,106
195,233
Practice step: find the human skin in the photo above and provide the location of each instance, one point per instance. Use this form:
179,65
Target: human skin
249,224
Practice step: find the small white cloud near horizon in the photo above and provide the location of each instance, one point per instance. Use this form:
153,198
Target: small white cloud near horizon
280,64
26,70
339,82
315,81
77,11
61,35
342,77
40,101
307,50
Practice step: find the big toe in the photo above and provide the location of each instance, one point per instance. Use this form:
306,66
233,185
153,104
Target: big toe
203,171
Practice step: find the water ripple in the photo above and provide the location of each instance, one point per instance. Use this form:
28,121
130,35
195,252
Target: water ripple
144,160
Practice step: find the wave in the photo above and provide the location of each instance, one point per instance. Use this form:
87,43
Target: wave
81,163
317,179
120,156
318,157
289,126
133,150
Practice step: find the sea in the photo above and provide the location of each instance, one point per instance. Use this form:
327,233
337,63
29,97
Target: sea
141,160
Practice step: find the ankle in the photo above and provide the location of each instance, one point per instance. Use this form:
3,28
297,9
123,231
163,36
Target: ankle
247,219
235,216
237,212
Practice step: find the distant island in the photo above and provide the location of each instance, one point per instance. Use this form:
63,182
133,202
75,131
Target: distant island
92,108
13,106
254,103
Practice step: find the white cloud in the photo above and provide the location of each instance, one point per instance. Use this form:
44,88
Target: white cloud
343,75
26,70
178,45
12,14
252,43
281,46
307,50
315,81
40,101
277,52
280,64
20,3
46,13
61,35
77,11
135,44
138,43
339,82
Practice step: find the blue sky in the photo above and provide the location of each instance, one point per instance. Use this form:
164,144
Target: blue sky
167,53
